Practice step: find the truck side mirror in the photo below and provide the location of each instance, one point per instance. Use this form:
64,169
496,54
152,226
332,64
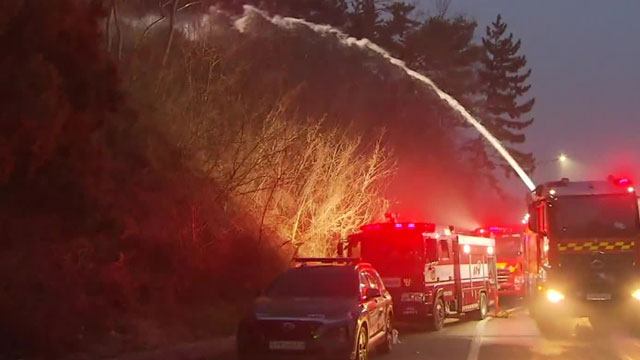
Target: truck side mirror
533,218
372,293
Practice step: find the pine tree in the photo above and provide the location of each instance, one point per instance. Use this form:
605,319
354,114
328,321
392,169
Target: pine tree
443,49
364,19
396,26
504,80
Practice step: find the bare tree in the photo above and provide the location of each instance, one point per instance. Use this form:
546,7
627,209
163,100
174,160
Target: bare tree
300,180
172,22
116,21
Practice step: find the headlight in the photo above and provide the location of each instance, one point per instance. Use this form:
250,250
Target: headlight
636,294
412,297
555,296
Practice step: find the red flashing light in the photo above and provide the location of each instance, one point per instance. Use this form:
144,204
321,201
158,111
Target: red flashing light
494,228
620,181
426,227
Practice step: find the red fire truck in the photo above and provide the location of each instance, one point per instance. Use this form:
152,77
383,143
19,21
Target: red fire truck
431,272
590,231
515,257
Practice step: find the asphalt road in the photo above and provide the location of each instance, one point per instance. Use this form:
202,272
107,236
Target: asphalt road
513,338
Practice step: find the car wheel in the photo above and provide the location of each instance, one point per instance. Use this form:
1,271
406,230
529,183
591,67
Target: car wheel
439,313
483,308
386,346
362,352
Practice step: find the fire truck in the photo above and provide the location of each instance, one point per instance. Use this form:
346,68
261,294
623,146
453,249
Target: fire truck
588,233
431,272
516,257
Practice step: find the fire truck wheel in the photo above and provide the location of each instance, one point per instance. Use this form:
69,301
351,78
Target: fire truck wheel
483,308
439,313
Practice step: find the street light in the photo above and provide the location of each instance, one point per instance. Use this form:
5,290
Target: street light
561,158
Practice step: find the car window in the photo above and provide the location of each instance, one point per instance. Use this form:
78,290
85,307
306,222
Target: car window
372,281
374,277
444,249
364,283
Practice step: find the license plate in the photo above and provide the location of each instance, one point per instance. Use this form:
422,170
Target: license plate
286,345
409,311
599,296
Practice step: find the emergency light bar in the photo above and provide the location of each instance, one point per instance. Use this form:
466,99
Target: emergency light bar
425,227
474,240
495,230
620,181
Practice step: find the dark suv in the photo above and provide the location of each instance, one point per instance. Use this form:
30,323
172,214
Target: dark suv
321,308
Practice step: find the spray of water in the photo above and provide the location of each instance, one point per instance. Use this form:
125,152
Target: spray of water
290,23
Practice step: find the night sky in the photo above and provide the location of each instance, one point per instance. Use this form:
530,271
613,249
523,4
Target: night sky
585,57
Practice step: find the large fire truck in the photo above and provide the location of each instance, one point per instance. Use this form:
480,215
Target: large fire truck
516,257
431,272
589,232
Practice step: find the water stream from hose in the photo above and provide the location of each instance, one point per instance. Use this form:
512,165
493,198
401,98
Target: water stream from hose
290,23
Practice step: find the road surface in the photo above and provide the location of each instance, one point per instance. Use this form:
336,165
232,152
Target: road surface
514,338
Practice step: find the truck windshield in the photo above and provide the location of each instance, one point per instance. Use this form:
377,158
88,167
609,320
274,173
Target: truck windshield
594,216
508,245
320,281
394,252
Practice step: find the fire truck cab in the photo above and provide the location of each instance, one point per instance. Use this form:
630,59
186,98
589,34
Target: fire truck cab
431,272
515,254
589,233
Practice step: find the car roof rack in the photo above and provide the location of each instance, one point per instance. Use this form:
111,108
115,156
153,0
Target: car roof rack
328,260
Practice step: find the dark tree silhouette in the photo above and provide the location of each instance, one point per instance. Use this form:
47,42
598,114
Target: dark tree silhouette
504,80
